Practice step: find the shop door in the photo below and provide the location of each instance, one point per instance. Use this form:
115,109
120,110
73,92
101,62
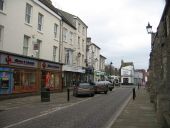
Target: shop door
6,80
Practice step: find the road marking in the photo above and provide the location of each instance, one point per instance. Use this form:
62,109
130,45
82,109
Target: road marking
46,113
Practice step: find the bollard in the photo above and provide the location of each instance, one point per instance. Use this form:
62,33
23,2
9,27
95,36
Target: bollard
68,94
134,94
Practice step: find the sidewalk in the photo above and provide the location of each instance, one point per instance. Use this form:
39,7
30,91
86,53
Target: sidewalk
139,113
55,99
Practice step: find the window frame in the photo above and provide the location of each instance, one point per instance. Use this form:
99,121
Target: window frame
40,21
54,53
28,13
55,30
26,47
38,51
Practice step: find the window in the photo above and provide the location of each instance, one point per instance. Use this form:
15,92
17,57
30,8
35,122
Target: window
1,36
83,31
82,60
25,45
28,13
68,56
65,32
71,37
24,77
78,42
55,30
54,53
37,48
1,5
40,22
83,45
79,25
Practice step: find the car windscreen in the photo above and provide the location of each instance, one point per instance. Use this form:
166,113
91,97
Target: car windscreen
84,85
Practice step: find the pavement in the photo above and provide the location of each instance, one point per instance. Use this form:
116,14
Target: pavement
138,113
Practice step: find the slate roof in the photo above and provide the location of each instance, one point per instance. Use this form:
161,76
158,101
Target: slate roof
64,18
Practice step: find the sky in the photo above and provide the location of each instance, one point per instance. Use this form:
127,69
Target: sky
118,27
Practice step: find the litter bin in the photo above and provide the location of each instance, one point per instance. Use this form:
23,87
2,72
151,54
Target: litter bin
45,95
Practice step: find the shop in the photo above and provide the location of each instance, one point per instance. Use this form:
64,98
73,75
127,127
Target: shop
71,74
51,76
18,74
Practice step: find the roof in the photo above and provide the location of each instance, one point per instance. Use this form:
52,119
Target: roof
124,64
103,56
95,45
67,16
58,12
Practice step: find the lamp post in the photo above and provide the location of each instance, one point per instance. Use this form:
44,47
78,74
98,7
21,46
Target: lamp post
110,68
149,28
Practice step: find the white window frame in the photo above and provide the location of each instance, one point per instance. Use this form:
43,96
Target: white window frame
83,30
78,42
25,45
40,21
68,57
1,36
65,34
55,30
2,5
82,45
71,37
54,53
79,27
28,13
39,48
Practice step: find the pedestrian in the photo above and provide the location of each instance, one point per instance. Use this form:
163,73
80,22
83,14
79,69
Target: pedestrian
134,94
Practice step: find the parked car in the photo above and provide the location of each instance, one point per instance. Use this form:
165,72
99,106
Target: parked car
110,85
83,89
101,86
116,82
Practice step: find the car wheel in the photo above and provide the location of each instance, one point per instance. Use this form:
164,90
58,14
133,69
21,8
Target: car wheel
110,89
105,92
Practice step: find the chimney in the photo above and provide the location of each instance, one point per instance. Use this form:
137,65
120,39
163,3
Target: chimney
88,39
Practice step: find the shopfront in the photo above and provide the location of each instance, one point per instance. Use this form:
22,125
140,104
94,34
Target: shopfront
72,74
51,76
18,74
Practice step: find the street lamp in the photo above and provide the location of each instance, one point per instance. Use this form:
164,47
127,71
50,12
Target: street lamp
110,68
149,28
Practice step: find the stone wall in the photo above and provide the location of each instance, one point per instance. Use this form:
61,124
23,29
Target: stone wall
159,66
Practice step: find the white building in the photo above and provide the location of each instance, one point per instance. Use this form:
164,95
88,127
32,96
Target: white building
73,47
127,73
93,58
30,42
34,32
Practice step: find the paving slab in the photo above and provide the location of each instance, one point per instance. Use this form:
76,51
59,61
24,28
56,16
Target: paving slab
138,113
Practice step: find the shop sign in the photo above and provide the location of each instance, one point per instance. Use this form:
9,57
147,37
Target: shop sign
17,61
47,65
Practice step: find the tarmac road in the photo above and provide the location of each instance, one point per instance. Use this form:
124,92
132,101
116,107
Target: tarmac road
95,112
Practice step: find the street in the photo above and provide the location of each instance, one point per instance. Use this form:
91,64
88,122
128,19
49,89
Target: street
91,112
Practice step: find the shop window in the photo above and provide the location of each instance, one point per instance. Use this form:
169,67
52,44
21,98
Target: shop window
24,77
50,80
4,80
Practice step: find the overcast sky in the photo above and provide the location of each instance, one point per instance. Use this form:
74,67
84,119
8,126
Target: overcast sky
118,27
